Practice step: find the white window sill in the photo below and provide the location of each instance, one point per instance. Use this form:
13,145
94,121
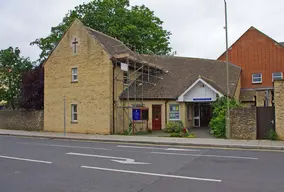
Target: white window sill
74,122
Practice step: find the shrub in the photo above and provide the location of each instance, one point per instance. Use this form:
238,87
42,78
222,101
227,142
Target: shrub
218,122
174,127
177,129
183,134
272,135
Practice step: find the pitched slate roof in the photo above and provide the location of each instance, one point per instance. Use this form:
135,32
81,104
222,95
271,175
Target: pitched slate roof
183,72
111,45
281,43
116,48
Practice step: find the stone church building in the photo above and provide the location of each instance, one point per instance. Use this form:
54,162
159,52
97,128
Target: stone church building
88,90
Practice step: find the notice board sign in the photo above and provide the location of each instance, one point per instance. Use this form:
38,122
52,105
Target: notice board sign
124,66
136,114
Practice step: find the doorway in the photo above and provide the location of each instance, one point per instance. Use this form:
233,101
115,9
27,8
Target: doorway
202,114
156,117
265,120
205,114
196,115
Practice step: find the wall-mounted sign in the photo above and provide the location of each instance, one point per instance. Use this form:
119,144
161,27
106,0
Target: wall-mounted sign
124,66
202,99
136,114
140,114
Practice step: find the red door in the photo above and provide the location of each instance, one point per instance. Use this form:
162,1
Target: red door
156,117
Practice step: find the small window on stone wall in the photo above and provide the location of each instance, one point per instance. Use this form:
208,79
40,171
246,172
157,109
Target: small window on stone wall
74,113
74,74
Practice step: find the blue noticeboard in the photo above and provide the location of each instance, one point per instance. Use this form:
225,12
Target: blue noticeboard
136,114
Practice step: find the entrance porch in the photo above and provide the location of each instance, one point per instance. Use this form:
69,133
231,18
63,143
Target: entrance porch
198,119
198,99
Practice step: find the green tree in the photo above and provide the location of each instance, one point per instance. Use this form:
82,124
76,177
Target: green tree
218,121
12,67
136,26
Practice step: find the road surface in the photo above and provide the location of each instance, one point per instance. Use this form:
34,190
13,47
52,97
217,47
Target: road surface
33,165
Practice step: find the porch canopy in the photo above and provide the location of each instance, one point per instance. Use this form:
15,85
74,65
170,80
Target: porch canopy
200,91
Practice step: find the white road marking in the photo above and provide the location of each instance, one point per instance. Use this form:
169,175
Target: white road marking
179,149
64,146
130,161
152,174
167,149
22,159
115,159
198,155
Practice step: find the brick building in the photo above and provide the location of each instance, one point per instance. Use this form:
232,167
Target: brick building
262,61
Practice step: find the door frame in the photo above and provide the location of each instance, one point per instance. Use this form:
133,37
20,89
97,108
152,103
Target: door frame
196,117
153,119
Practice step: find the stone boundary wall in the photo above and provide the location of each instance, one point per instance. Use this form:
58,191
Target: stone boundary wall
243,123
21,120
279,108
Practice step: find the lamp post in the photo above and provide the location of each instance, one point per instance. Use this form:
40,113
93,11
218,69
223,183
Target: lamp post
227,70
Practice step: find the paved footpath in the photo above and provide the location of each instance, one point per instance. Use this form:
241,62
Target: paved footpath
223,143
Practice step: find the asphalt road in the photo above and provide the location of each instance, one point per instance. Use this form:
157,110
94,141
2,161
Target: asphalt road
33,165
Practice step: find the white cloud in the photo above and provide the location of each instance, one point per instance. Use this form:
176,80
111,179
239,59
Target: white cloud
197,25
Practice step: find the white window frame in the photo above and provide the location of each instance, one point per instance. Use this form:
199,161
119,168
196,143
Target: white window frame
174,112
257,82
273,76
74,74
73,120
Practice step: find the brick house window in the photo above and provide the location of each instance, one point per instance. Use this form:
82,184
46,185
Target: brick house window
277,76
256,78
174,112
75,74
74,113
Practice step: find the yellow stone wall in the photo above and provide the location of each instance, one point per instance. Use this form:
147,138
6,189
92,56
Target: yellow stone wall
142,125
92,93
279,108
165,106
260,98
238,91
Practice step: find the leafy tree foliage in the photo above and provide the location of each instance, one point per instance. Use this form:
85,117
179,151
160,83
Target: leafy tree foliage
218,122
32,89
12,67
135,26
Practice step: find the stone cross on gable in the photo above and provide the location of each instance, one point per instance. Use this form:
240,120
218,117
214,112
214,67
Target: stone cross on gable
74,45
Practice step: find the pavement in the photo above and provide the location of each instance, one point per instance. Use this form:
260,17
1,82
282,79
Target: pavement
201,142
45,165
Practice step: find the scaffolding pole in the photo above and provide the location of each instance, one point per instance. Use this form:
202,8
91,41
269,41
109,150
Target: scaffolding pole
136,69
128,83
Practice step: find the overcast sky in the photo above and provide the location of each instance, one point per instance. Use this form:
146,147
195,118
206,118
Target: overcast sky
196,25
